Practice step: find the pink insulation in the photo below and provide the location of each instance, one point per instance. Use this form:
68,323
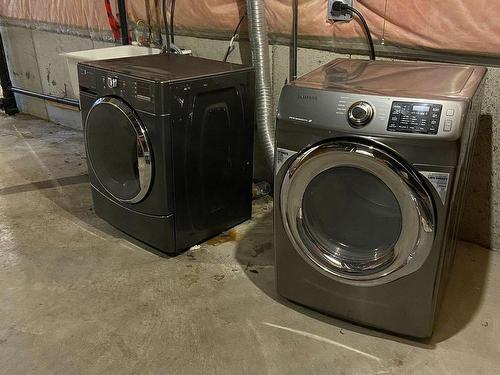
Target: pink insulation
463,26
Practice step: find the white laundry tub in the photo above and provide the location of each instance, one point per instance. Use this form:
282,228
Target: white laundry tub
73,58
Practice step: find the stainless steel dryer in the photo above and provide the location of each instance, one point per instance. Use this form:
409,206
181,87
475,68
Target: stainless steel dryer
371,163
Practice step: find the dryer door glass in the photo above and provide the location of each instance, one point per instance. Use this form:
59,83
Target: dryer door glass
118,150
356,212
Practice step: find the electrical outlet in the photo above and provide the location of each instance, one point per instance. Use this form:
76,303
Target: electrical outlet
338,17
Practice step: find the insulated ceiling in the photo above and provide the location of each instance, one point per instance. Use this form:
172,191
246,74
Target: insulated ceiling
463,26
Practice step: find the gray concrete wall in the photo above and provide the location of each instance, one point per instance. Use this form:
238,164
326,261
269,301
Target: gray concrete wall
35,64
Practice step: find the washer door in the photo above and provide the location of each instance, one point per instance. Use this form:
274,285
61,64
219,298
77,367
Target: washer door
118,150
357,213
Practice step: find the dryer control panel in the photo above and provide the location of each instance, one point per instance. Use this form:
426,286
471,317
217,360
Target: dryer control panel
411,117
138,93
373,115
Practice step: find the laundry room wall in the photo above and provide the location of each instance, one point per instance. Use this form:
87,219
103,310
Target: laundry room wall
35,63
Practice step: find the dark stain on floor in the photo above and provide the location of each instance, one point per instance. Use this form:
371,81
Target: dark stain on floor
229,236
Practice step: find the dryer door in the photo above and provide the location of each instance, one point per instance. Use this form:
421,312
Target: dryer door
118,150
357,213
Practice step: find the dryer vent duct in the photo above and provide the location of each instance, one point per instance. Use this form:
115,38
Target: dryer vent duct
257,30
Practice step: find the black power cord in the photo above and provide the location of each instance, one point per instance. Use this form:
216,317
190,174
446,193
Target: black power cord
230,48
172,13
340,7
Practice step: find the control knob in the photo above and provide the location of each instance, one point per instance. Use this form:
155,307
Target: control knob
112,82
360,114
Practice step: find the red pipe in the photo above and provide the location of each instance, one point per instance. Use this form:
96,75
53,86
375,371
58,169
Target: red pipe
113,23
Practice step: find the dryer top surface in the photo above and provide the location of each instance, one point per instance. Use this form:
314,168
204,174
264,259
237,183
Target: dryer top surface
397,78
166,67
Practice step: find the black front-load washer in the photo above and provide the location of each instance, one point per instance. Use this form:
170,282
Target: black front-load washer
169,142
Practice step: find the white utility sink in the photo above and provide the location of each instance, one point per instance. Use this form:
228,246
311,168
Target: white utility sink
73,58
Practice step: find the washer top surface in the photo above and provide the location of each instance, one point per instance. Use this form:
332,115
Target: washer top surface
396,78
166,67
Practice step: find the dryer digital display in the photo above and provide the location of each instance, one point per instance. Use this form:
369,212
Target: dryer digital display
408,117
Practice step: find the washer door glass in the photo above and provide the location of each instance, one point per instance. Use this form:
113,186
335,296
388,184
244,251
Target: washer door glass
359,221
357,213
118,150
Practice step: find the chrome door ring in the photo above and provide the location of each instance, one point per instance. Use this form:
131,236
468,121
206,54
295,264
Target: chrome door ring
417,235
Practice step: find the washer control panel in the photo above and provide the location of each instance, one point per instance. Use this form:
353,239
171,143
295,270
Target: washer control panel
413,117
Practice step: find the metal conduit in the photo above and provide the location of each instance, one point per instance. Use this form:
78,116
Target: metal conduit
257,29
295,32
66,101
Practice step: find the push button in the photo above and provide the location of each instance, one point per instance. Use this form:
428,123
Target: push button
450,112
448,124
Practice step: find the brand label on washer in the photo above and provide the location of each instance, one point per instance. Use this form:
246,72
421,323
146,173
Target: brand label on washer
440,182
282,155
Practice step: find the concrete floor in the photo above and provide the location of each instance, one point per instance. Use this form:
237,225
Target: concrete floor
77,296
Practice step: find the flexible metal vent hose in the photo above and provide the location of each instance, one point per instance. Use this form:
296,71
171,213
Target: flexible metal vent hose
257,29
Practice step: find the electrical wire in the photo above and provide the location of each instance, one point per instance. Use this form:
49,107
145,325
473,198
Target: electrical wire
166,48
339,6
367,31
230,48
172,15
